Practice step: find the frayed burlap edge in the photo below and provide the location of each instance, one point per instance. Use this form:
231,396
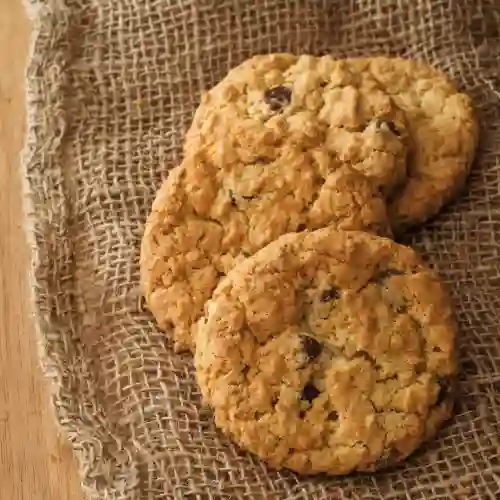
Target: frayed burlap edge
45,196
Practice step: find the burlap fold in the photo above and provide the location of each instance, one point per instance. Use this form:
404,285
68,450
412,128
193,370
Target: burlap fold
112,85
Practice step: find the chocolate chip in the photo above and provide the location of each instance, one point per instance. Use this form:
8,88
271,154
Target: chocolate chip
302,413
333,416
278,97
310,392
301,227
331,293
436,349
420,367
311,346
446,390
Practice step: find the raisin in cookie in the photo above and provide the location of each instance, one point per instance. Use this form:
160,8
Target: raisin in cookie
313,102
329,351
443,135
205,219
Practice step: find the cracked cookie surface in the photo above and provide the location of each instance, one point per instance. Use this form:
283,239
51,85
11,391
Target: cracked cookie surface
329,351
443,135
205,219
312,102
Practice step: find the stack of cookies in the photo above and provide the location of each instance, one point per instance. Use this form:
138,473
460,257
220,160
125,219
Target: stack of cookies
320,343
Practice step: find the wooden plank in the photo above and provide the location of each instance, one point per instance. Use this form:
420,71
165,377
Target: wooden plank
35,462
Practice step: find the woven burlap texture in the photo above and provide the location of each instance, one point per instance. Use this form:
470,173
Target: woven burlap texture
112,86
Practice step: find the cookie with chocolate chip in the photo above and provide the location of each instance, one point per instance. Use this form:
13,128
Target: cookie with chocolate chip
329,351
207,218
443,135
312,102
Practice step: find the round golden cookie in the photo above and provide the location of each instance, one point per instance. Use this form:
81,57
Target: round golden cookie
206,219
313,102
329,351
443,135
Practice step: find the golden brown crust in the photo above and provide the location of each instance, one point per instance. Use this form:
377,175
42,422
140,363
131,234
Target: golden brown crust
329,351
341,118
206,219
443,135
313,102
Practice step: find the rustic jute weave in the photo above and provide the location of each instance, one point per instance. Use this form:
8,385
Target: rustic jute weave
112,85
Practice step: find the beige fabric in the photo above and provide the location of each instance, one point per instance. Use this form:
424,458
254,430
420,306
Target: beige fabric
112,86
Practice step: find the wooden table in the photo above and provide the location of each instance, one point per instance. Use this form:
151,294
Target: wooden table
35,462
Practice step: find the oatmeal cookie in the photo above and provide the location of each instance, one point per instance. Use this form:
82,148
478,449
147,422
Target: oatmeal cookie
312,102
443,135
329,351
206,219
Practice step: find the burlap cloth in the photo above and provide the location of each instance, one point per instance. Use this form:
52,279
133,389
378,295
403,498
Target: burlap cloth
112,85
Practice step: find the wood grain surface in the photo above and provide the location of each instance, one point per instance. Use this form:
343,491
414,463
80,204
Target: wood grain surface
35,462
